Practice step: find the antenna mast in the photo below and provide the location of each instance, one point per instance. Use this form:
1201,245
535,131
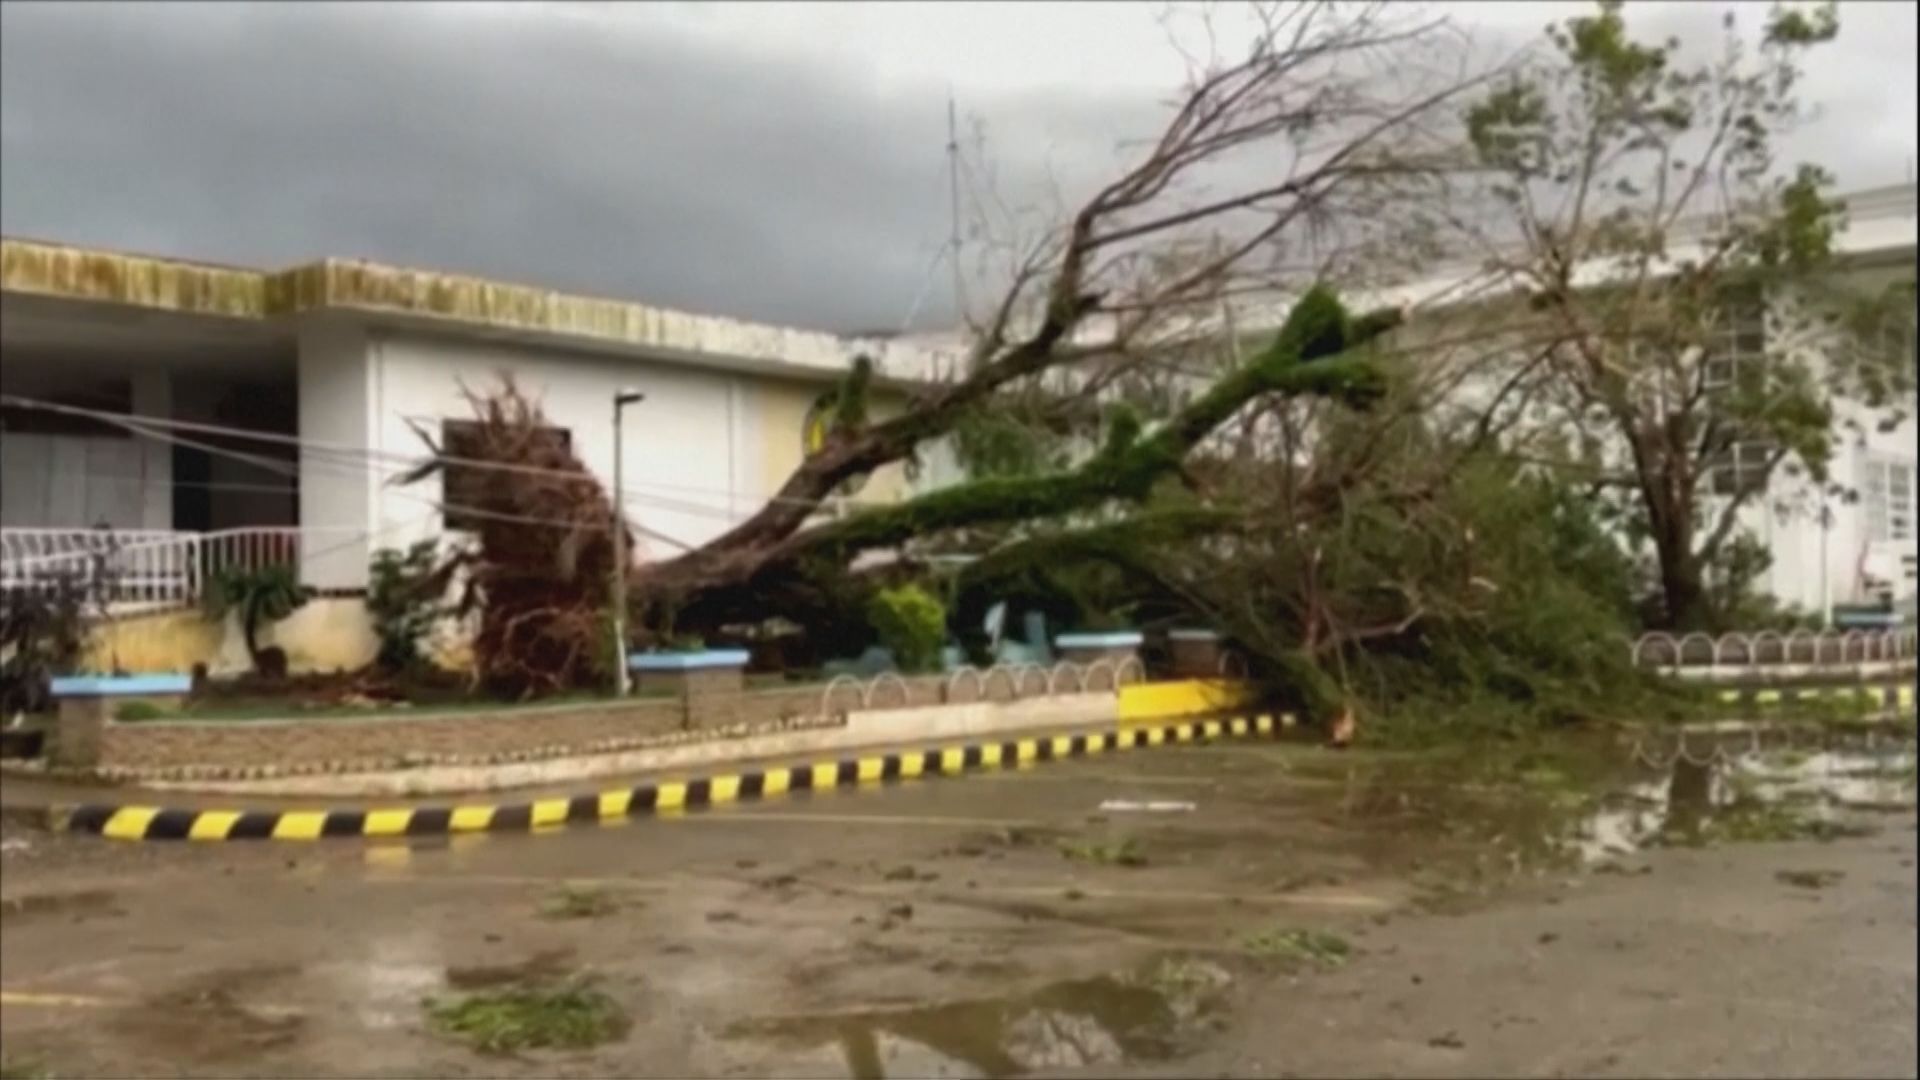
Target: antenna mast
953,196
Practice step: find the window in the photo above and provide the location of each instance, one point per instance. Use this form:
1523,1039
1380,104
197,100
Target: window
1887,491
1742,466
1736,349
1737,341
464,487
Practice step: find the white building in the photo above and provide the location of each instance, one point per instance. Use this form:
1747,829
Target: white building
151,364
129,380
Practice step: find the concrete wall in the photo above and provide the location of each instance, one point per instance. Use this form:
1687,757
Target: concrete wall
480,736
327,634
788,738
702,452
454,751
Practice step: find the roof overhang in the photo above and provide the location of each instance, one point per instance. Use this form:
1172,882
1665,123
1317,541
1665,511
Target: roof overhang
427,300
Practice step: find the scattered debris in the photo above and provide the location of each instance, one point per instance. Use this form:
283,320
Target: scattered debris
1450,1041
1299,947
1809,879
1125,852
1345,727
572,903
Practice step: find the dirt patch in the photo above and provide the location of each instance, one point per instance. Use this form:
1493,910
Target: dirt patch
215,1017
545,966
82,904
1809,879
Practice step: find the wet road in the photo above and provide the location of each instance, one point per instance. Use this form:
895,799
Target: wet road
1008,923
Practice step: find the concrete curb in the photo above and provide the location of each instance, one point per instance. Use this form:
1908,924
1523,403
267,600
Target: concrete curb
157,823
1899,698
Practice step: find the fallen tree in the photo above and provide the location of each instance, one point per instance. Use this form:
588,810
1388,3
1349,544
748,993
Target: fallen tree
1312,126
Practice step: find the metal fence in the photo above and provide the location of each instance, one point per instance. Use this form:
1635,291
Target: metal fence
145,569
969,684
1767,648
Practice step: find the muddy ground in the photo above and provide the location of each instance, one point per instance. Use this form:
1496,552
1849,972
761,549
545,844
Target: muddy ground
1312,913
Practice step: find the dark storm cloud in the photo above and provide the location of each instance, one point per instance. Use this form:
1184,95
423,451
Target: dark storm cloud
579,150
590,149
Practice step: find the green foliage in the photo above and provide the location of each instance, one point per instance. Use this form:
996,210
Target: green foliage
1002,441
850,403
683,643
134,711
404,599
44,628
911,624
262,596
1615,155
1319,352
43,633
1295,948
1796,26
569,1017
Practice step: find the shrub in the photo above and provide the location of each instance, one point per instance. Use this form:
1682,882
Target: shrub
567,1017
43,629
404,599
262,595
911,624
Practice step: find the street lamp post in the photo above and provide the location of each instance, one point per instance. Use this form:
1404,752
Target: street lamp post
620,558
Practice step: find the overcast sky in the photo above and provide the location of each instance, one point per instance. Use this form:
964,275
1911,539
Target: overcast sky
775,162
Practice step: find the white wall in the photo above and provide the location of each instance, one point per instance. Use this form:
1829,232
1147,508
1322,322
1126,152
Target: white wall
682,444
337,505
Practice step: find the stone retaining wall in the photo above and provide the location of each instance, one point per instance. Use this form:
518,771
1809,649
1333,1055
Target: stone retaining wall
301,746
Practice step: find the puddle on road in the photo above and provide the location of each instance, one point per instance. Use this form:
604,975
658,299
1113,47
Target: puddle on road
1736,789
211,1018
1459,826
1152,1015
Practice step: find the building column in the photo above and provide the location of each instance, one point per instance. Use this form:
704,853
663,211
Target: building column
338,499
153,396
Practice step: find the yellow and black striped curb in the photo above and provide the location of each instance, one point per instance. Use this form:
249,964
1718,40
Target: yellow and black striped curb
155,823
1899,697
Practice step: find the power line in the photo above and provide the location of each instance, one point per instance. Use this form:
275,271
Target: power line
286,468
345,460
321,448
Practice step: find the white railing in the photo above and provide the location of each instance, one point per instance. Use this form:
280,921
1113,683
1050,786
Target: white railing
149,568
1769,651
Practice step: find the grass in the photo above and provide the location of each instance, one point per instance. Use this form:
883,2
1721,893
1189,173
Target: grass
1124,852
502,1022
23,1069
141,710
1299,947
572,903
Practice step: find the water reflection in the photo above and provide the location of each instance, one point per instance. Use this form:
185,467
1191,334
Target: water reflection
1736,788
1105,1020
